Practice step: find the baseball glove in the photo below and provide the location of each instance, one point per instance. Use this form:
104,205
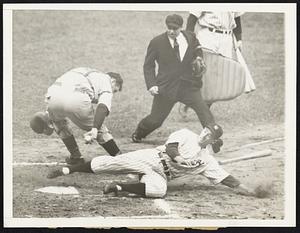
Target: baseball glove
198,67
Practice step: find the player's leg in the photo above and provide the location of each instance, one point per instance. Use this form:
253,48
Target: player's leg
150,185
226,46
161,108
106,140
64,131
208,39
136,162
56,102
82,115
205,116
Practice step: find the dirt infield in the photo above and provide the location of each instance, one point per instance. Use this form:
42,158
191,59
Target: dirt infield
196,199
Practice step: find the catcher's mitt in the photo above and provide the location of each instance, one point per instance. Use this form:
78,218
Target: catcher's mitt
198,67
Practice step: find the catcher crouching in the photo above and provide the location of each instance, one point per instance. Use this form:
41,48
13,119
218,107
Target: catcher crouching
84,96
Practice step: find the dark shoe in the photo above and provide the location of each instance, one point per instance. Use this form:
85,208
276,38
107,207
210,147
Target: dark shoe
73,161
56,172
216,145
110,188
206,137
135,138
217,131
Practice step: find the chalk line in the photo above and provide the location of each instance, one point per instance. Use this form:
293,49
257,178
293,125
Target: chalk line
38,164
166,207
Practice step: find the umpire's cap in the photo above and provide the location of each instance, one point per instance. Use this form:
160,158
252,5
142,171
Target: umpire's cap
38,122
117,77
174,20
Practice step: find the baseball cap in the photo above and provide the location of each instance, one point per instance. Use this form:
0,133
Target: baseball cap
117,77
38,122
174,20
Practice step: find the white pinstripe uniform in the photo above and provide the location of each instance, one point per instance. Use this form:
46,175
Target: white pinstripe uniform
74,96
225,43
148,163
220,43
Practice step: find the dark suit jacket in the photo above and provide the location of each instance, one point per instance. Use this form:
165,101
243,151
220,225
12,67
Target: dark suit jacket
171,72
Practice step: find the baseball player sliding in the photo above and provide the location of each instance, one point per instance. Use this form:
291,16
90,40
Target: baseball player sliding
84,96
184,154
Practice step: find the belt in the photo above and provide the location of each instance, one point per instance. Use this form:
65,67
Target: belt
220,31
165,166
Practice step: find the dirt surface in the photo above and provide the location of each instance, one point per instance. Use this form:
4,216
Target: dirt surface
188,198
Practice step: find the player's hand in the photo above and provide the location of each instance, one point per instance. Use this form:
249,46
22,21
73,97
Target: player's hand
239,45
186,163
153,90
90,136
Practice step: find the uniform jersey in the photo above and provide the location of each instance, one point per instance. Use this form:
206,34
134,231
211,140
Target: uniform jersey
95,84
217,42
217,20
189,149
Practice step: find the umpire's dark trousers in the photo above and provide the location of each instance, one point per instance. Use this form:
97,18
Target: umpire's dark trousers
162,106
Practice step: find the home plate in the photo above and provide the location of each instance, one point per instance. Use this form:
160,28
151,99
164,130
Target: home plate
58,190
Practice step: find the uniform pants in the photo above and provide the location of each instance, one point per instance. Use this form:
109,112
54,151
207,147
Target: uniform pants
225,45
162,106
145,162
78,108
219,43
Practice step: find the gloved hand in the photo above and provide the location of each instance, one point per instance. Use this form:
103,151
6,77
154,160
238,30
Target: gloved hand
198,67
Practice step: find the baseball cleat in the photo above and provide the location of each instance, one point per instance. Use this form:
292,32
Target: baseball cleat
110,188
135,138
217,131
55,173
210,136
216,145
73,161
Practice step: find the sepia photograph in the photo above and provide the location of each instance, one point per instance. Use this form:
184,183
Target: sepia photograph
149,115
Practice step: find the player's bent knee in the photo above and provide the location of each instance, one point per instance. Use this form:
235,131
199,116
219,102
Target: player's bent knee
155,194
63,130
155,186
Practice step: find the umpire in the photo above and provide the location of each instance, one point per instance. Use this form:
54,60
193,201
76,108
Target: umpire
174,51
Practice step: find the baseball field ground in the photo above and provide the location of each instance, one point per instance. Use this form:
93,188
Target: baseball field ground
48,43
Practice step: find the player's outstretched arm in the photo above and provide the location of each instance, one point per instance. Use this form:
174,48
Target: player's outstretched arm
261,191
